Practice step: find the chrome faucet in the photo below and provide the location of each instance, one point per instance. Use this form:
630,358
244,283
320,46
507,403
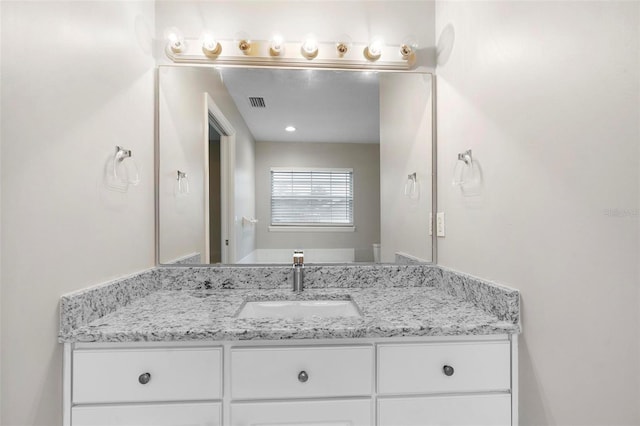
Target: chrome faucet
298,270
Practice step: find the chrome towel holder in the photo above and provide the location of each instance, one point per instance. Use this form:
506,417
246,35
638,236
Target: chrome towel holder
123,173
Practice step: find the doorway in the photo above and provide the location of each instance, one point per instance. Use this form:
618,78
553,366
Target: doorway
219,171
215,197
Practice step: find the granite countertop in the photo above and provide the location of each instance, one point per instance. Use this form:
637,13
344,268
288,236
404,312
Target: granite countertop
172,315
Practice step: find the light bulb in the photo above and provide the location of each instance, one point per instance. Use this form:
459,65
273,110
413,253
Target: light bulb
210,46
243,41
343,44
175,39
310,47
290,129
408,47
277,45
374,50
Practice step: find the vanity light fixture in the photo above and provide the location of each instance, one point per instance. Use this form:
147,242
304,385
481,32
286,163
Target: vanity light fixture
290,129
309,47
309,53
210,46
175,39
277,45
374,50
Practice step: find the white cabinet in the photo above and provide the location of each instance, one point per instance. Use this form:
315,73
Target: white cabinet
348,382
461,410
478,371
352,412
425,368
181,414
290,372
134,375
143,386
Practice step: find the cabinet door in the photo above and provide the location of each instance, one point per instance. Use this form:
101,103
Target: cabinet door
419,368
468,410
173,374
308,413
196,414
275,373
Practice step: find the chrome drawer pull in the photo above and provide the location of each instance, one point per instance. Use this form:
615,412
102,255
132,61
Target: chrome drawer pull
448,370
144,378
303,376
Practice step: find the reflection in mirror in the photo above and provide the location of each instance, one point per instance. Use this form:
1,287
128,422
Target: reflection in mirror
336,163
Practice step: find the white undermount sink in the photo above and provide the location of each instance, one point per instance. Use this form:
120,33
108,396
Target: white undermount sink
299,309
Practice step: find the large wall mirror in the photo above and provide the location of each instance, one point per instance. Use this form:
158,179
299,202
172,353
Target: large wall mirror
254,163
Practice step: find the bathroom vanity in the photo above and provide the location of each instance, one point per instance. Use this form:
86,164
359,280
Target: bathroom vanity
363,344
398,381
437,348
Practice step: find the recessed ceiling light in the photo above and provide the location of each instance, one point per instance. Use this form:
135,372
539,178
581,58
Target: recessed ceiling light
290,129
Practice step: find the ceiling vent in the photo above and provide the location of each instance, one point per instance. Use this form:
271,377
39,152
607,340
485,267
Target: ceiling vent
257,102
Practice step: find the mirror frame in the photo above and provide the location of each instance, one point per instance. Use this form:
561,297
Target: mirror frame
156,154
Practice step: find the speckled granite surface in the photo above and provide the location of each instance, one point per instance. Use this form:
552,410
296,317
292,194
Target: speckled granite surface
501,301
186,303
83,306
315,276
210,315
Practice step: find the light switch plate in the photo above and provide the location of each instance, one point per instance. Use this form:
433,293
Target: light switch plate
440,224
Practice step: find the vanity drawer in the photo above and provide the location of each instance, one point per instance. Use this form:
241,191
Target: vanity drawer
175,374
295,372
353,412
467,410
185,414
420,368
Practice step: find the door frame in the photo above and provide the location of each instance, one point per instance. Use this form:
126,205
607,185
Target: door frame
227,181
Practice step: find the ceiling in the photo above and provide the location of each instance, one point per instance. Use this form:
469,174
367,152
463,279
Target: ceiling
323,106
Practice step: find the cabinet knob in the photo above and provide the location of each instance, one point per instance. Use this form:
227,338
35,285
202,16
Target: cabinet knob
303,376
144,378
447,370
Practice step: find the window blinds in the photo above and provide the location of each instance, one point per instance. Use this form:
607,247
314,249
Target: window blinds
312,197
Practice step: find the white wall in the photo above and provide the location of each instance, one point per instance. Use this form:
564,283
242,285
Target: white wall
361,19
181,141
547,96
77,79
181,136
405,148
244,186
364,159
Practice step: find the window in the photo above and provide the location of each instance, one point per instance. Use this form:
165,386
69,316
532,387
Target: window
311,197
